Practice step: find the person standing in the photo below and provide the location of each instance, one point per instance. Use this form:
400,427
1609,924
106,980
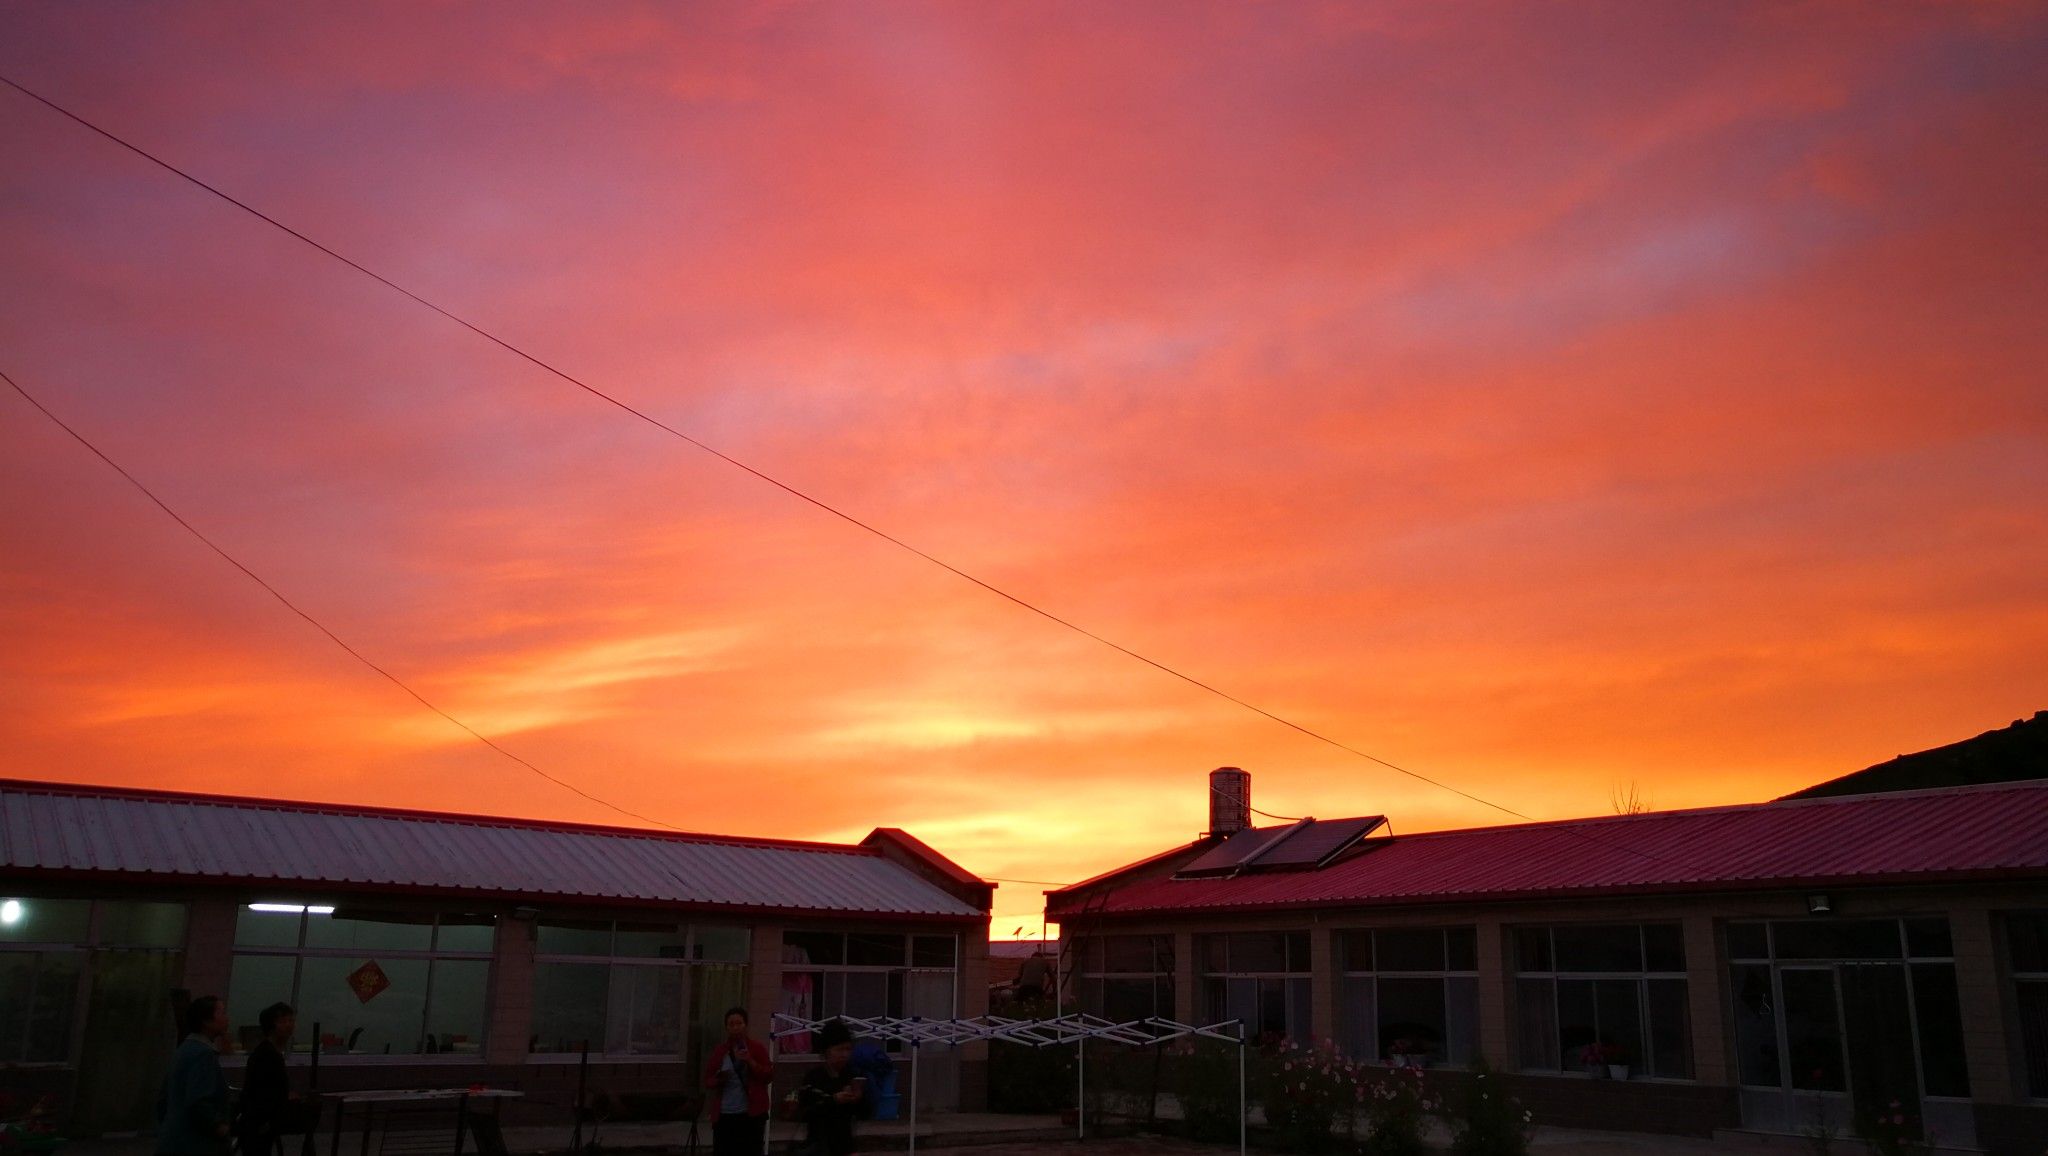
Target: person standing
266,1090
192,1111
831,1095
738,1073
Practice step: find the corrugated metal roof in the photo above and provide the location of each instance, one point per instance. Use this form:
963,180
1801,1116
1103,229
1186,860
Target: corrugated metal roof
58,828
1988,831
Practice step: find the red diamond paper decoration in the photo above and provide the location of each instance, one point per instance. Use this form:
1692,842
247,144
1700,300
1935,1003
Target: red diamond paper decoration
368,981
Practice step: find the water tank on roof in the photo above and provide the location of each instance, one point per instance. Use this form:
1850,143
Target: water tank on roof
1230,800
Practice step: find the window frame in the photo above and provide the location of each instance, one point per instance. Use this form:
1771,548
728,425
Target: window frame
2021,979
686,964
1297,981
299,952
896,994
1642,978
1346,974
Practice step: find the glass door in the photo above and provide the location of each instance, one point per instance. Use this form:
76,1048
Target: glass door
1876,1005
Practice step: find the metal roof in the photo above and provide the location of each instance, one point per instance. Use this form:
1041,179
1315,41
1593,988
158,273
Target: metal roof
1967,833
48,827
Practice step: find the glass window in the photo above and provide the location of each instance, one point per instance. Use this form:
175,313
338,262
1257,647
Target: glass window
1813,1029
2026,934
2033,1005
256,982
1756,1024
455,1005
714,987
1581,948
1420,1001
1938,1010
1409,949
816,947
1127,977
569,1007
874,950
558,937
1748,941
1831,939
38,992
369,931
2026,939
863,973
650,941
390,1023
1269,1006
1131,954
1354,950
472,933
646,1011
935,951
1461,949
1929,939
1619,987
24,919
1663,947
649,997
268,928
125,924
372,981
723,945
1536,1023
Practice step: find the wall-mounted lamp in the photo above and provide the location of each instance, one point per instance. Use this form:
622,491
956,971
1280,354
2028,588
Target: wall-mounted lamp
1819,905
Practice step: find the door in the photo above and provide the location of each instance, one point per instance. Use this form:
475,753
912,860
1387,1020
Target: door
1877,1016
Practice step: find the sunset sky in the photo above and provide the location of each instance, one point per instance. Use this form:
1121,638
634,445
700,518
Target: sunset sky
1547,398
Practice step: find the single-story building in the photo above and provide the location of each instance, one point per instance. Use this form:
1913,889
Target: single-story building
437,950
1767,967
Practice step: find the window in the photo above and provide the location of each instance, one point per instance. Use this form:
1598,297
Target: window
44,945
1866,1007
1126,977
1258,978
2026,941
377,983
1621,986
866,974
635,987
1409,991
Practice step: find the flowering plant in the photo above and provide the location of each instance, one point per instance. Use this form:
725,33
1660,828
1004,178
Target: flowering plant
1308,1090
1890,1130
1396,1104
1598,1053
1489,1121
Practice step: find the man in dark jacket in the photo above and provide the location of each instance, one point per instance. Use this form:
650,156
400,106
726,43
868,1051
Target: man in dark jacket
192,1112
831,1095
266,1090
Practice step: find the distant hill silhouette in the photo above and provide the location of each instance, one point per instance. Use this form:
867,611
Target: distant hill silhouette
2019,751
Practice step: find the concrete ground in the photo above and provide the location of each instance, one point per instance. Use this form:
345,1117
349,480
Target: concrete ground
994,1135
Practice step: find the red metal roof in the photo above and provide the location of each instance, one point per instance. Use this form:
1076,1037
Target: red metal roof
1973,832
110,832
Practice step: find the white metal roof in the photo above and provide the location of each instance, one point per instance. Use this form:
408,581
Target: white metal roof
47,827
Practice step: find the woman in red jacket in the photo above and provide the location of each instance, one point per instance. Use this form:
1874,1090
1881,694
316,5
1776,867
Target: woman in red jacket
738,1073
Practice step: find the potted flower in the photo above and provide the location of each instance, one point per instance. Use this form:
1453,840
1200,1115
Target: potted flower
1617,1061
1405,1052
1605,1060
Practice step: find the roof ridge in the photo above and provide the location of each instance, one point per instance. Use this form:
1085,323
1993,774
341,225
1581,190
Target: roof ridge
409,814
2023,785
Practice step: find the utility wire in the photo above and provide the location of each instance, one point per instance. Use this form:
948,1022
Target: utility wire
295,608
779,484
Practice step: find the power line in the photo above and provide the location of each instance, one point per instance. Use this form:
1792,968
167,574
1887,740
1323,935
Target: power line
779,484
295,608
